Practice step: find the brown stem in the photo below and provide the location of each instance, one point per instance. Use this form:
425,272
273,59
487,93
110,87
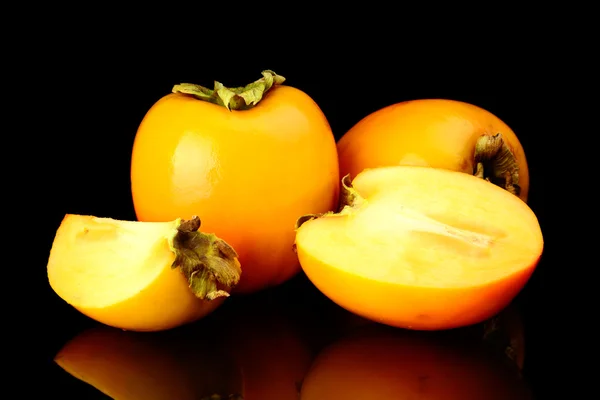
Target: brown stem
349,198
495,162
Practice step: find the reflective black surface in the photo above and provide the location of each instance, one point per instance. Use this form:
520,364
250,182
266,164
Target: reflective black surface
287,342
269,345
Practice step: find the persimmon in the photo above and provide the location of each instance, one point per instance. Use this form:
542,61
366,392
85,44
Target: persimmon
383,364
437,133
421,248
249,160
141,276
133,365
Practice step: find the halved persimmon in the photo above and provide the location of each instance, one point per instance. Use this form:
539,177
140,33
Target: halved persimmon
421,248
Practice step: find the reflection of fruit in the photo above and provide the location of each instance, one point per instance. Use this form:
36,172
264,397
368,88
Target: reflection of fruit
392,364
131,365
249,169
272,355
421,248
505,332
140,275
437,133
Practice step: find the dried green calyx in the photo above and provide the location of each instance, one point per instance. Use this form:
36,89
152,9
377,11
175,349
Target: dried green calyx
349,198
237,98
209,264
495,162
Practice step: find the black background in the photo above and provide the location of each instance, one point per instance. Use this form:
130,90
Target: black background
102,89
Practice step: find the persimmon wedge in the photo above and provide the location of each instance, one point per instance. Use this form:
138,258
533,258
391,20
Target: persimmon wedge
140,276
421,248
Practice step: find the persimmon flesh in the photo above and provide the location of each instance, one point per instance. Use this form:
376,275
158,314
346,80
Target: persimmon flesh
421,248
141,276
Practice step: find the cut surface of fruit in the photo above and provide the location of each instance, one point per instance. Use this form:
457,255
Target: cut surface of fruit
417,237
139,275
137,254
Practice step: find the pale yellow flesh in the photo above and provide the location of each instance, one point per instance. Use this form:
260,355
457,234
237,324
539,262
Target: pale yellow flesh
97,262
429,228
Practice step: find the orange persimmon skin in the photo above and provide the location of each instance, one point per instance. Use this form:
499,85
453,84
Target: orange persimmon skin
429,132
248,174
444,306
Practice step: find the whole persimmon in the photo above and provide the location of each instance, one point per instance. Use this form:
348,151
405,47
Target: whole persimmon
438,133
248,159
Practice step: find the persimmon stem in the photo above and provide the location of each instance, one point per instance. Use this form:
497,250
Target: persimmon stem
495,162
237,98
349,198
208,263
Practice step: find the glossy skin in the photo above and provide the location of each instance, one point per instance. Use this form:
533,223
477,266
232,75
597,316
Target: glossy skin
431,132
247,174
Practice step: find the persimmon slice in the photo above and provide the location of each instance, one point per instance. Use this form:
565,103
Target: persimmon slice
422,248
143,276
